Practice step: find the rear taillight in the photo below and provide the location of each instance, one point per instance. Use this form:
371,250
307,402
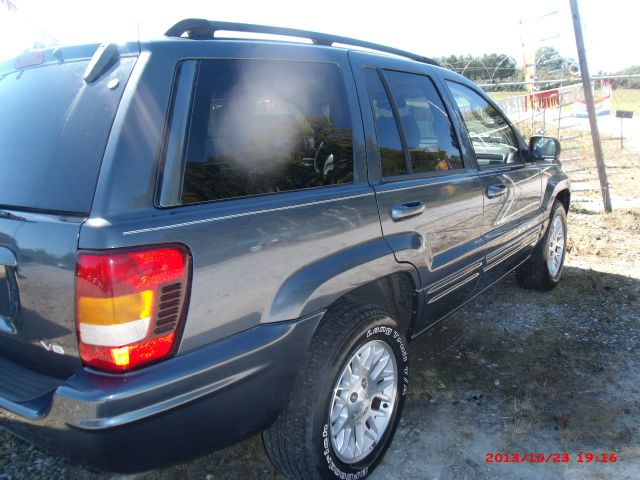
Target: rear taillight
129,305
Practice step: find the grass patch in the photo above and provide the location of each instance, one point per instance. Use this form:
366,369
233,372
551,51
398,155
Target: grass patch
523,408
582,211
522,417
626,99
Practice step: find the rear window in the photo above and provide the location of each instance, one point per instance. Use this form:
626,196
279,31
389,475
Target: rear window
53,132
265,126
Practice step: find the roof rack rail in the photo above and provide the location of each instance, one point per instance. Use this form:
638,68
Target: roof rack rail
201,29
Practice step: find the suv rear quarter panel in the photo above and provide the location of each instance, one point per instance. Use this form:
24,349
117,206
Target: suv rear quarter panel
256,259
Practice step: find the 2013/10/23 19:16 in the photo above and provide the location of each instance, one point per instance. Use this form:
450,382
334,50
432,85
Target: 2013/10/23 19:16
556,457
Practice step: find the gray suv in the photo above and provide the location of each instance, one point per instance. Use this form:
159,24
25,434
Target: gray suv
202,238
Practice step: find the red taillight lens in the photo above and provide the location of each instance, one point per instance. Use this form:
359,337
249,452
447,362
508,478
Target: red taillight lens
129,305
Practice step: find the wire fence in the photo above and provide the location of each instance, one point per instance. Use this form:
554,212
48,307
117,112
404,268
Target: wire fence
561,112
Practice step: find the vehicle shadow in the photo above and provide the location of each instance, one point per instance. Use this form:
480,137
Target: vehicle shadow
518,370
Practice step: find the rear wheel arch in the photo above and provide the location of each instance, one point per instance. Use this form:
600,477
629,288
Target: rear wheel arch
396,293
367,273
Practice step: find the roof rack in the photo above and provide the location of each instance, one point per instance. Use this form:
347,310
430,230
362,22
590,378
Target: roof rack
200,29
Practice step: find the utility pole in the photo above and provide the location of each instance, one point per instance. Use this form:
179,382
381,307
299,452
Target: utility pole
591,111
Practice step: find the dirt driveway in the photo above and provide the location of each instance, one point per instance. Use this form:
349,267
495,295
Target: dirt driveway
519,372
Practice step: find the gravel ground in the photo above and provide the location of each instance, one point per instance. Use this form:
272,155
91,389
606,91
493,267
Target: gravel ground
512,372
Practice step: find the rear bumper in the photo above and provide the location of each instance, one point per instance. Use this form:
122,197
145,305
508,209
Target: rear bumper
178,409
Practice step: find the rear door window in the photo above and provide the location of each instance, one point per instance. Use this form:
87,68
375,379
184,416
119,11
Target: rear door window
263,126
429,135
426,141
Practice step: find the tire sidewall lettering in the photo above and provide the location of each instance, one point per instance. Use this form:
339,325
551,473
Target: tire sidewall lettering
327,453
393,338
391,332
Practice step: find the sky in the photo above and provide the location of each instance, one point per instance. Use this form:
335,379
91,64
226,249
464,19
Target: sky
428,28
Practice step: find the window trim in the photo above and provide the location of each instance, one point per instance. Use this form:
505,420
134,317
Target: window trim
410,174
396,118
376,71
177,128
432,174
498,167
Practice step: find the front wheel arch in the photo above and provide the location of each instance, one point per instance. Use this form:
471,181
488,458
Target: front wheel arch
535,273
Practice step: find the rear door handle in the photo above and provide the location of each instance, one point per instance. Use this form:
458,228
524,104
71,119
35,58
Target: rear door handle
406,210
496,190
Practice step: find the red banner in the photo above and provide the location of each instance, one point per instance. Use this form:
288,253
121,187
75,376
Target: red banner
546,99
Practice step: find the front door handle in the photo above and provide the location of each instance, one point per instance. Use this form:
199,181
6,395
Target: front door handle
496,190
406,210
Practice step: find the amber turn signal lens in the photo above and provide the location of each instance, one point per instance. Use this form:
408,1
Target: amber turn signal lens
118,297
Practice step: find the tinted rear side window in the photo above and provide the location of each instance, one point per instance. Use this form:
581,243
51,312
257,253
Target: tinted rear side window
263,126
53,132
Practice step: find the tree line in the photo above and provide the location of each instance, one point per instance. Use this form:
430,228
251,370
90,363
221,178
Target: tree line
500,68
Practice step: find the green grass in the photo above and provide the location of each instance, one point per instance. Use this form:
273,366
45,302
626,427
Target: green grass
626,99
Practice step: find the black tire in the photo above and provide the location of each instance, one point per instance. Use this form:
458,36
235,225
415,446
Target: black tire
299,443
535,273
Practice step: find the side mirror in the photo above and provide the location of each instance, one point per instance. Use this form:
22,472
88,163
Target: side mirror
544,148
